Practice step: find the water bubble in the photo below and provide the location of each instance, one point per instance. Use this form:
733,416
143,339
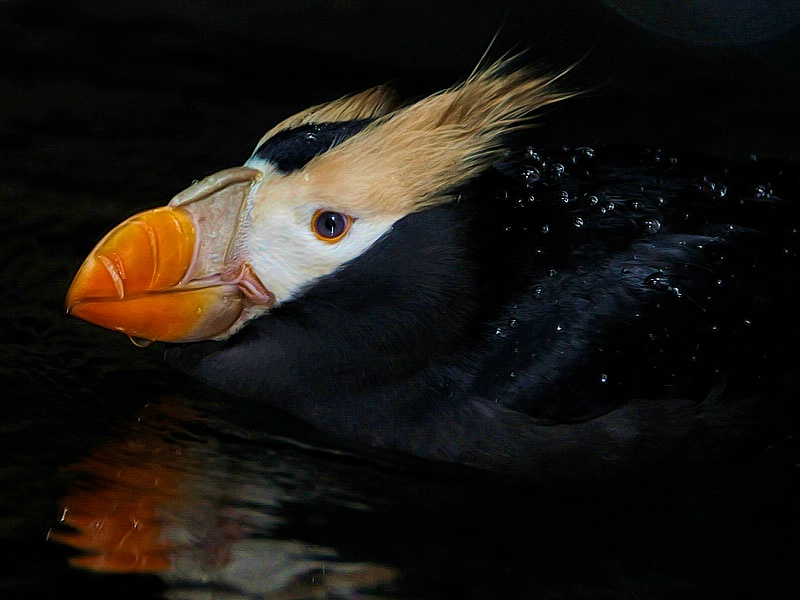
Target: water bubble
513,323
532,154
658,281
762,191
651,226
544,228
603,378
537,291
558,169
552,273
559,328
707,183
512,375
498,331
718,190
578,222
593,200
531,176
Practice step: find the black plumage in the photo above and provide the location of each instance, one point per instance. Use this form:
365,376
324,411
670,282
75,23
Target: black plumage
571,313
291,149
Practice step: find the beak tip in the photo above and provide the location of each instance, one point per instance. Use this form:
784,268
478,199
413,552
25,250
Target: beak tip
133,283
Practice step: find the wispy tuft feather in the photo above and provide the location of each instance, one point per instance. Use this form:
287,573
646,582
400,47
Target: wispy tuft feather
371,103
415,156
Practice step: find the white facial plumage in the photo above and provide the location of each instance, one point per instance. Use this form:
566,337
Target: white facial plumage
281,243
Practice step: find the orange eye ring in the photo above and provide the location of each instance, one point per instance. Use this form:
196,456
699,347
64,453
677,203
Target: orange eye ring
330,226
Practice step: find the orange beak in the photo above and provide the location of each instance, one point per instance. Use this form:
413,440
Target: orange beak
177,273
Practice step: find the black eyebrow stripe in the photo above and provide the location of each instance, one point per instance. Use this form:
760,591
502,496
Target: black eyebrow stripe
292,149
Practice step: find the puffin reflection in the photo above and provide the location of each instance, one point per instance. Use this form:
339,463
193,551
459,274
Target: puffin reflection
165,500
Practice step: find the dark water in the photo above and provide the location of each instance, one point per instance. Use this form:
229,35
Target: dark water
106,109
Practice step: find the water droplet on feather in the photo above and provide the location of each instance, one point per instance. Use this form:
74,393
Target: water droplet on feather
657,281
531,176
651,226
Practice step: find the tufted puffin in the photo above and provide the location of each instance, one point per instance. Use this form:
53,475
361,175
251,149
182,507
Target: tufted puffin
421,278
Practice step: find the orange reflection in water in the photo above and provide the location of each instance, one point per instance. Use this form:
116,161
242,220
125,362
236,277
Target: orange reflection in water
160,500
117,518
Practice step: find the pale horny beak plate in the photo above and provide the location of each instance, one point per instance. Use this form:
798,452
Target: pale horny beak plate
177,273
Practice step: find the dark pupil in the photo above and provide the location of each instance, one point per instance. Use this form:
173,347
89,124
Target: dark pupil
330,224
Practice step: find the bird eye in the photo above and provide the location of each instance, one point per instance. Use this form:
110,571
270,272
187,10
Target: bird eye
330,226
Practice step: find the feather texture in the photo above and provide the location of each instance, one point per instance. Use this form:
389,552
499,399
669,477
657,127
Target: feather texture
420,153
369,104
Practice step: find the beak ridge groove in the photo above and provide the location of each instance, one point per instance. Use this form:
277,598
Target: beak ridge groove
161,274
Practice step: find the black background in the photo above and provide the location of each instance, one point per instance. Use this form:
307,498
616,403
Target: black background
108,108
163,92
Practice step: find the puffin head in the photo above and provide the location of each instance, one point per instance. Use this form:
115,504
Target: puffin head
319,190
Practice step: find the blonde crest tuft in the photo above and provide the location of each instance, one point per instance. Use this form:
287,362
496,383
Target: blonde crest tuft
415,156
371,103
